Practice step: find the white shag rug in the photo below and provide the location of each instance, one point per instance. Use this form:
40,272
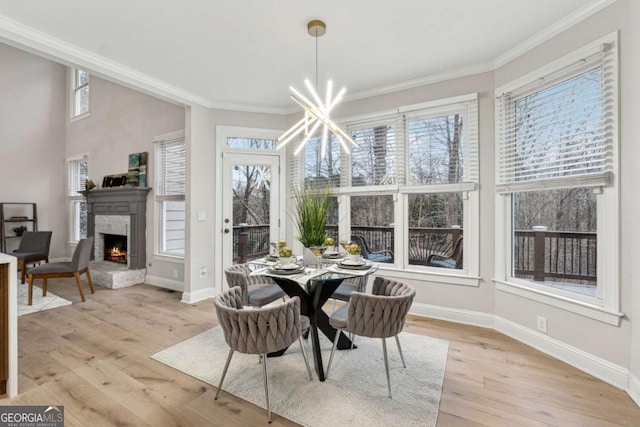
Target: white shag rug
355,394
40,303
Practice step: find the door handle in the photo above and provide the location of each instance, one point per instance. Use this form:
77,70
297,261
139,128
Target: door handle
226,231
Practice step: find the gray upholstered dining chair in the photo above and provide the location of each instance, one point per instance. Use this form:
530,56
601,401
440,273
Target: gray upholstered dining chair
380,314
259,330
256,290
79,264
34,247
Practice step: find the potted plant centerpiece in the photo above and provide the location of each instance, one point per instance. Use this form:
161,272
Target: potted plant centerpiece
311,208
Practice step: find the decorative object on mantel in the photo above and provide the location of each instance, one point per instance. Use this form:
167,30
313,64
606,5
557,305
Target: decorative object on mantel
137,176
88,186
111,181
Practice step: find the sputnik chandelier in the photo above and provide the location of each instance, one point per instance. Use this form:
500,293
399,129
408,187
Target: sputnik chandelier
316,113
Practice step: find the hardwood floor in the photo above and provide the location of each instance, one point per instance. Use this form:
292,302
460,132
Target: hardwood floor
93,358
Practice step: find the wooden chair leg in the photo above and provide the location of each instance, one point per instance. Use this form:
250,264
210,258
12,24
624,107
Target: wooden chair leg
77,276
30,289
44,286
89,280
23,269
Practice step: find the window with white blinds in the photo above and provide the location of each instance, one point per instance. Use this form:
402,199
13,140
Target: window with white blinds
77,174
377,160
556,131
171,168
322,169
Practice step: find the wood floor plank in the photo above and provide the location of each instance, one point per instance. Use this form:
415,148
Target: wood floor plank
94,358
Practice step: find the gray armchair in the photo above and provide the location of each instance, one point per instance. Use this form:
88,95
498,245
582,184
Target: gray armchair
380,314
79,264
259,331
256,290
34,247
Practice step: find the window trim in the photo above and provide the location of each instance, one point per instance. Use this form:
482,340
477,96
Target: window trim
73,230
605,307
469,276
158,253
73,117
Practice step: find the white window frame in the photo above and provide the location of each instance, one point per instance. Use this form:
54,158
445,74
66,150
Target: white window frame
469,275
74,88
605,306
74,198
160,199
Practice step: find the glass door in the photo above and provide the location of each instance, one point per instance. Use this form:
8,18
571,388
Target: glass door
251,206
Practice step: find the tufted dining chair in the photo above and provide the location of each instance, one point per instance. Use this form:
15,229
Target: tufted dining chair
256,290
259,330
380,314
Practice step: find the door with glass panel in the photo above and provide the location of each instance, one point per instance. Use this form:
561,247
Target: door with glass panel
251,206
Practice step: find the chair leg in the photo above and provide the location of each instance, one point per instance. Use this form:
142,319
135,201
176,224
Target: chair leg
333,350
23,269
30,289
224,373
400,350
266,387
77,276
306,361
386,364
44,286
89,281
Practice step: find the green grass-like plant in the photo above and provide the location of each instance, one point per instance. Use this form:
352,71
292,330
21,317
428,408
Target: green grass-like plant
311,208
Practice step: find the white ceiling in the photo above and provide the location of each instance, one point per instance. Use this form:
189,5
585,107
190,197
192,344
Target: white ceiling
246,53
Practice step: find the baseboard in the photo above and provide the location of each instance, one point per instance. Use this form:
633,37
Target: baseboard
608,372
162,282
199,295
456,315
602,369
634,388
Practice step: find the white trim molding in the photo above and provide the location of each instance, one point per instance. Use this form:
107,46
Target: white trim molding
633,389
609,372
199,295
162,282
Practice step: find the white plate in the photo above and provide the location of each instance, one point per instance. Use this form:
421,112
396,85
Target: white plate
349,262
286,267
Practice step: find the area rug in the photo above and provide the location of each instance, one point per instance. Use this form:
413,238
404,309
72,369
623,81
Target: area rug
355,393
40,303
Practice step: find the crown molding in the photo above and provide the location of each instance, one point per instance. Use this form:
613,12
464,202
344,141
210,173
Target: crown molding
551,31
33,41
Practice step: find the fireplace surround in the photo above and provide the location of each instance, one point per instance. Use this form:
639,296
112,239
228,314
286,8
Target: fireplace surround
124,209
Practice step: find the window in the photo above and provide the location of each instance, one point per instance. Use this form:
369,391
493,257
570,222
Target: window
77,174
409,188
557,158
170,193
79,92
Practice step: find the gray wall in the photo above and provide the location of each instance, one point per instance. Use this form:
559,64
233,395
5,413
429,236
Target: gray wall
124,121
32,112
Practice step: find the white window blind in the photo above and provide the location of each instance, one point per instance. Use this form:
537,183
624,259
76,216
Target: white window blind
442,144
377,160
77,174
557,131
171,168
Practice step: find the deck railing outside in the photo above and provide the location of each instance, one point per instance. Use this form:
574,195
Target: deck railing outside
538,255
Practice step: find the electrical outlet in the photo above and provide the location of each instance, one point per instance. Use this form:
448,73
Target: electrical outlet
542,324
203,272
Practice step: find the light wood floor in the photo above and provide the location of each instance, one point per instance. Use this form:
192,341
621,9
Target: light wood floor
93,358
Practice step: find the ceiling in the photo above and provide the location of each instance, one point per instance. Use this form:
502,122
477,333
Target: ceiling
244,54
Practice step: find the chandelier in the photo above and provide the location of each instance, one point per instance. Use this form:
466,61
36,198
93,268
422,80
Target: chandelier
316,112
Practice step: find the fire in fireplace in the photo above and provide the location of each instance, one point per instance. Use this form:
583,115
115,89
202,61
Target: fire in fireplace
115,248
